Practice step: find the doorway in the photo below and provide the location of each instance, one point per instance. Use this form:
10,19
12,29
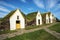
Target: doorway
38,21
18,24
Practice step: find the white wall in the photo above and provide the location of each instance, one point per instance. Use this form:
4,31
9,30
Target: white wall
38,17
51,18
13,19
47,19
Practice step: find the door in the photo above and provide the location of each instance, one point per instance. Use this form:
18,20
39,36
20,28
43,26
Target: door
39,21
17,24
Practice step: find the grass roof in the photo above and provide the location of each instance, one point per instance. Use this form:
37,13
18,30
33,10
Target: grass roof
0,19
31,16
11,13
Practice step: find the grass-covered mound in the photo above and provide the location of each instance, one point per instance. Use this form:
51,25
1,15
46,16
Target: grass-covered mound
35,26
55,27
31,16
32,27
37,35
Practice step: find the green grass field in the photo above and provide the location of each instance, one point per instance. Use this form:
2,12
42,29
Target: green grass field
55,27
27,28
7,31
37,35
34,26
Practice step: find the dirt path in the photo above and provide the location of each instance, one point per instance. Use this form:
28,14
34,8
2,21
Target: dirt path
19,32
54,33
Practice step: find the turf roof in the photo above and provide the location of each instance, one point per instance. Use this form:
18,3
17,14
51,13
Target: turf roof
32,16
11,13
29,17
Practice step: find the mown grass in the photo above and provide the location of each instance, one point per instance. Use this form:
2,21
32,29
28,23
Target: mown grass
35,26
55,27
37,35
31,27
7,31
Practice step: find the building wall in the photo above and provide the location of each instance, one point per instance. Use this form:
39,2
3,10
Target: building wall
13,19
5,24
38,17
47,19
51,18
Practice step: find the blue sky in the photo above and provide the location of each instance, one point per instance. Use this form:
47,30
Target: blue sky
28,6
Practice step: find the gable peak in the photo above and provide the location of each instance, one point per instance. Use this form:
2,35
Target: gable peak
17,9
38,12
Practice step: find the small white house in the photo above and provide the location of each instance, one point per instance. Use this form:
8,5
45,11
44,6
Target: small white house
17,20
38,19
47,18
44,18
51,18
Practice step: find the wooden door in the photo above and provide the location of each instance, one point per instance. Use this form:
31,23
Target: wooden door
17,24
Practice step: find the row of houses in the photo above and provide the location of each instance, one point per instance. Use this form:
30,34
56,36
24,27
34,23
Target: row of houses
44,18
17,20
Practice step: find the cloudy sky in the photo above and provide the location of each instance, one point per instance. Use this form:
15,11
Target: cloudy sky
28,6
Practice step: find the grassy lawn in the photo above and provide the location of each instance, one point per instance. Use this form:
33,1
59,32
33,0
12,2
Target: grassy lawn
7,31
37,35
55,27
27,28
31,27
34,26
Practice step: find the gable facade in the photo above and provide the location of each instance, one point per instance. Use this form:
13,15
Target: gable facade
17,20
44,18
51,18
47,19
38,19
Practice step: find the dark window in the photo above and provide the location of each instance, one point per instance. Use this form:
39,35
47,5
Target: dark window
17,17
38,21
17,21
39,15
49,19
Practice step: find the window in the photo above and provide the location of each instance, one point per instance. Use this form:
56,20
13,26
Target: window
17,17
49,19
17,21
39,15
38,21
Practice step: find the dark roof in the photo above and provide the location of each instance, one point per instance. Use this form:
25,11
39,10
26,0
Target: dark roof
0,19
11,13
32,16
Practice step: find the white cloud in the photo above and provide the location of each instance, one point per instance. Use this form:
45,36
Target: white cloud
6,4
4,9
23,1
39,3
57,7
51,3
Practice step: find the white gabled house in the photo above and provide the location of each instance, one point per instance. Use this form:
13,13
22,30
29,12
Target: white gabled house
38,19
47,18
17,20
44,18
14,20
51,18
